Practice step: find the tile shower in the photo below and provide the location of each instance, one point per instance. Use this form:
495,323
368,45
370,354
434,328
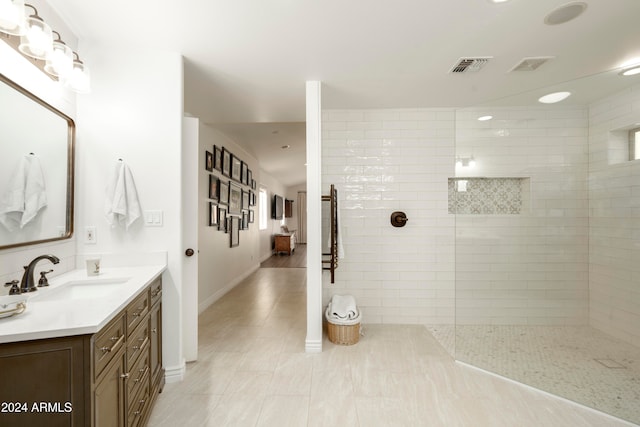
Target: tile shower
526,265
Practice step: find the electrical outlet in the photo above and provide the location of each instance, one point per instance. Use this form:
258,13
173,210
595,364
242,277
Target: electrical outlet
90,236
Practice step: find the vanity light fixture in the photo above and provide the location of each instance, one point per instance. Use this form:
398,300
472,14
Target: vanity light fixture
37,40
484,118
79,79
12,17
60,61
552,98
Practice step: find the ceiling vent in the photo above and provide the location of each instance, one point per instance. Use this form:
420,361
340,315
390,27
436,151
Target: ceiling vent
531,64
467,65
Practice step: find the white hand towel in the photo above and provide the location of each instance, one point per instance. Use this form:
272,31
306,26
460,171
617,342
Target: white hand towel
25,195
122,206
343,307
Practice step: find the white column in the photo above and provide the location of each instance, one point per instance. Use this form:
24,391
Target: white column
313,342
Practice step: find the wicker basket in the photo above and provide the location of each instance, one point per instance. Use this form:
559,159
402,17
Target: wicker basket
343,334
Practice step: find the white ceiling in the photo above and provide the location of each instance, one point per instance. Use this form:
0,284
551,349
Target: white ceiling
246,61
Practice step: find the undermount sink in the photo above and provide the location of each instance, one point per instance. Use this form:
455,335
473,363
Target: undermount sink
84,289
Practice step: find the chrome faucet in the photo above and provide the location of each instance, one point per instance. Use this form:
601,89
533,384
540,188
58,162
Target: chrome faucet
28,283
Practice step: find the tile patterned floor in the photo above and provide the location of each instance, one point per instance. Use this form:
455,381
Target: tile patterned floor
579,363
252,371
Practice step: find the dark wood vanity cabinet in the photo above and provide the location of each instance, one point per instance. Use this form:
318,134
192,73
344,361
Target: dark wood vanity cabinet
110,378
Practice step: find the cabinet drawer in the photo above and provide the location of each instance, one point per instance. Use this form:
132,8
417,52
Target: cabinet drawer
138,377
107,343
138,406
156,291
137,310
138,343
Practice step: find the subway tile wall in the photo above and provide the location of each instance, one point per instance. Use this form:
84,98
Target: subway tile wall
614,241
530,268
383,161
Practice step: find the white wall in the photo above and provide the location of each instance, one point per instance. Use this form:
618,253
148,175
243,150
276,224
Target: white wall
273,186
614,239
383,161
530,268
221,267
134,112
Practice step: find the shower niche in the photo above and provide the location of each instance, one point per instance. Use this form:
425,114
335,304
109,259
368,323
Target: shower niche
488,196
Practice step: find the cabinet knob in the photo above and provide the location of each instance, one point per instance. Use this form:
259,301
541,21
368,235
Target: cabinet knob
125,375
189,252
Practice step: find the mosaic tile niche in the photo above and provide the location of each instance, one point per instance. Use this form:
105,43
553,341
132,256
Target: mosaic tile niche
488,196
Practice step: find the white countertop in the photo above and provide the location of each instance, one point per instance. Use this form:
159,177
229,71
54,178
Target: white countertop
51,313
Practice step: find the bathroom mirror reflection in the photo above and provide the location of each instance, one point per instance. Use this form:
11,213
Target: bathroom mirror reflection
548,241
36,169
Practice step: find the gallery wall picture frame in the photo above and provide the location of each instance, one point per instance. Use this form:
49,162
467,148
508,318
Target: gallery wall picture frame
253,184
252,198
245,199
236,168
235,199
243,173
214,187
251,216
249,177
222,219
245,220
223,192
234,231
213,214
208,161
226,162
217,158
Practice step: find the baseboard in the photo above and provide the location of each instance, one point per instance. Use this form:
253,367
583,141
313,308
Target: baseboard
202,306
175,374
313,346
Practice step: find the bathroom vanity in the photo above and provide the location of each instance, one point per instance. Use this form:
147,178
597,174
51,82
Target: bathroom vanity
104,368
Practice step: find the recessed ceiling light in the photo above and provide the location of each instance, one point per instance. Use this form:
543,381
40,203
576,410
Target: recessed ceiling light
565,13
485,118
631,71
285,147
552,98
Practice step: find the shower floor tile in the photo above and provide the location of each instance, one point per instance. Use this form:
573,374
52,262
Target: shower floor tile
579,363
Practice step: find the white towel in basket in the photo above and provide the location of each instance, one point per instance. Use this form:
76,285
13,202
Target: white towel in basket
343,307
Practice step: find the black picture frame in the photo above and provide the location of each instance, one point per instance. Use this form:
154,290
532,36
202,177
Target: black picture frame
213,214
235,199
245,199
251,216
236,168
234,231
217,158
252,198
253,184
208,161
214,187
222,219
245,220
249,177
223,192
226,162
243,173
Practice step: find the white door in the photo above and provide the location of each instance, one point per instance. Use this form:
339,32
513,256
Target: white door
190,169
